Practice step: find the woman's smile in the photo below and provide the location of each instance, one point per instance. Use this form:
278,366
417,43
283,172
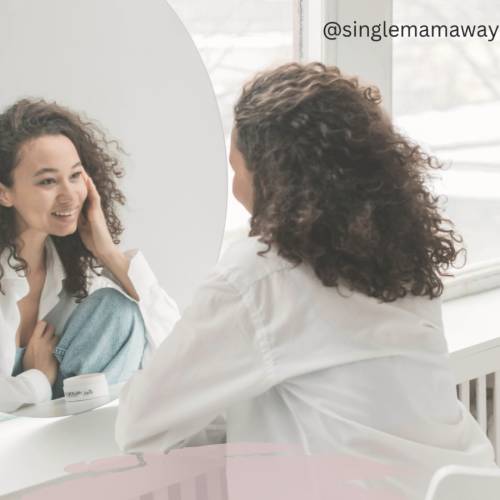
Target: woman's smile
67,213
67,219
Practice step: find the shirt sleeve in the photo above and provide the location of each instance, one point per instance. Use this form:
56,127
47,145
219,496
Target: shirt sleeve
159,311
214,358
30,387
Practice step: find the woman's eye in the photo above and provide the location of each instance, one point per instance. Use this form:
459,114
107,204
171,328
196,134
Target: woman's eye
76,175
46,182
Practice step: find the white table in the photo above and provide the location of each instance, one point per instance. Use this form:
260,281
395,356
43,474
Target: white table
43,439
472,328
35,450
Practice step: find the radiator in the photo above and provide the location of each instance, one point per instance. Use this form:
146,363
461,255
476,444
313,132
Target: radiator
481,396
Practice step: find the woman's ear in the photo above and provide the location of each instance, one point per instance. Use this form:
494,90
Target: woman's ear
5,196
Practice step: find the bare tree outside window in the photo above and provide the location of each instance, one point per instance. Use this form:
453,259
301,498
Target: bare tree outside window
447,96
237,38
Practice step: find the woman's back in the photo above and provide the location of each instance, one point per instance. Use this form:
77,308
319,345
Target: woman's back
353,376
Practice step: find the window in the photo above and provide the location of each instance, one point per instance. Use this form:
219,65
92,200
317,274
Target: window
446,95
237,38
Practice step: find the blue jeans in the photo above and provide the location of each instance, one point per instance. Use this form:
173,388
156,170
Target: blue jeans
105,333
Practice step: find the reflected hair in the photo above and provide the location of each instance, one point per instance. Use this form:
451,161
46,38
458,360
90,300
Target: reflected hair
337,187
29,119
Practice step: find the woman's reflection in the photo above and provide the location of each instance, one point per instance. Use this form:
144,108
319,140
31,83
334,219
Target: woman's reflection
71,301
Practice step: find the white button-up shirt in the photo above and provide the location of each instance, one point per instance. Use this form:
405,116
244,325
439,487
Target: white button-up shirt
288,360
159,312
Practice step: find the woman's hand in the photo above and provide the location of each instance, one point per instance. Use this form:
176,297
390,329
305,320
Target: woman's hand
39,351
92,225
95,235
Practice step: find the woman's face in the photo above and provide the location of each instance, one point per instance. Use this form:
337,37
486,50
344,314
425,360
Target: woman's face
243,178
48,189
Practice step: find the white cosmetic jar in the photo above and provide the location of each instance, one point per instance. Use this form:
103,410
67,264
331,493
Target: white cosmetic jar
87,386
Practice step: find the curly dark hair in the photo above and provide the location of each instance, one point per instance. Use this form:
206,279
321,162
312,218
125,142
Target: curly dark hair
337,187
29,119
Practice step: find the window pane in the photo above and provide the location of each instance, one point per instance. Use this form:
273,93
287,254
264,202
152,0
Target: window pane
447,97
237,39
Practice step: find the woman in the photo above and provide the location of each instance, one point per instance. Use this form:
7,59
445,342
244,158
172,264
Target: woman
323,329
59,314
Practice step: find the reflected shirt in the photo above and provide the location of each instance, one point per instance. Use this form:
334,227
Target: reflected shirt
286,359
158,310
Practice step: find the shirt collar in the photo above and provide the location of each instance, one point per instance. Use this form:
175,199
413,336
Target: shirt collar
55,269
8,272
14,285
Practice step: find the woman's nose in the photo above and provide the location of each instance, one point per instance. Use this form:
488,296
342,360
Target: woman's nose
66,193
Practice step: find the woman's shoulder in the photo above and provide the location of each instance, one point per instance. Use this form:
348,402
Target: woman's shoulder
248,260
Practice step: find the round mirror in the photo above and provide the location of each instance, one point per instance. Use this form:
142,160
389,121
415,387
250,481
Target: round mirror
131,69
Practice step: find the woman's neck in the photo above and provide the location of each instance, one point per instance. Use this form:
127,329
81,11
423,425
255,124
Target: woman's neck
31,247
